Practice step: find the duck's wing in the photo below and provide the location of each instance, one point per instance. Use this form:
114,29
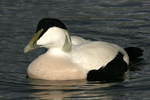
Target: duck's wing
76,40
94,55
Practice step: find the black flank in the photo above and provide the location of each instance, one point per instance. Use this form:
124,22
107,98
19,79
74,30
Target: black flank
113,71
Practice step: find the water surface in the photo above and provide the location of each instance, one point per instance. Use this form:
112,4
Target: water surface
124,22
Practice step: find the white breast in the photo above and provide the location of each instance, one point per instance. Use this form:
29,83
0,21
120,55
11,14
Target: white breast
55,68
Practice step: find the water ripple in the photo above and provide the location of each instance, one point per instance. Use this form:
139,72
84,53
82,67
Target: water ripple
123,22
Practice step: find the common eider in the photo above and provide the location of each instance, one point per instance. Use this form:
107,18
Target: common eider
72,57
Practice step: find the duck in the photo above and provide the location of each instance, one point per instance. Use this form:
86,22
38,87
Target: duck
75,58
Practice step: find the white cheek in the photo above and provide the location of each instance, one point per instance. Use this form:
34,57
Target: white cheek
44,40
53,37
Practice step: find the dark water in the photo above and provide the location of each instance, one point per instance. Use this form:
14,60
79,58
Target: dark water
124,22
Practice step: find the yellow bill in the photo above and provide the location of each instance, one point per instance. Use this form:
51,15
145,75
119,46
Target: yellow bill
32,44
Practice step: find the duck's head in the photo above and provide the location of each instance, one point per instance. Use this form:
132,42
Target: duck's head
50,33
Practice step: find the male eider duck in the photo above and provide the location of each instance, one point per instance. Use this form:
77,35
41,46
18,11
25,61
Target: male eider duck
73,58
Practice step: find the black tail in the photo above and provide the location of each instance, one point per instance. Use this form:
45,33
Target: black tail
134,53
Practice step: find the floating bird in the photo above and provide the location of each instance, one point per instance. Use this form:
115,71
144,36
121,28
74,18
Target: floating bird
73,58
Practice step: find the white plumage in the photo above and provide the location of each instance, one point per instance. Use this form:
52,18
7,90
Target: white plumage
70,58
94,55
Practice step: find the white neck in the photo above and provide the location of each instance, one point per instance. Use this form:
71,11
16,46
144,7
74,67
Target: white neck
58,53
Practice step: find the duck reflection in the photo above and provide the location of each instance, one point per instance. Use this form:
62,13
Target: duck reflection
54,90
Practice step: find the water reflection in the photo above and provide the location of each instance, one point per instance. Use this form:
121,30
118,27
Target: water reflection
60,90
55,90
